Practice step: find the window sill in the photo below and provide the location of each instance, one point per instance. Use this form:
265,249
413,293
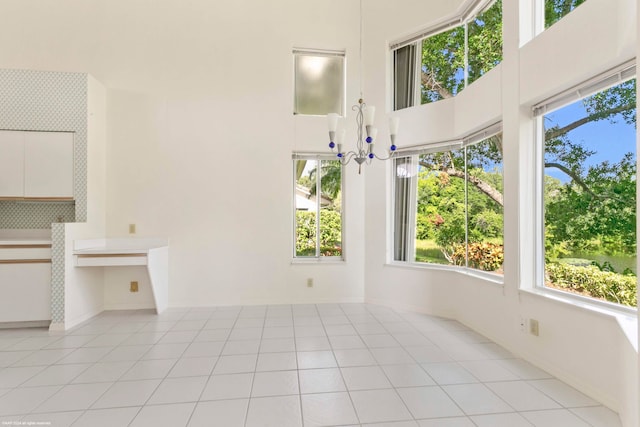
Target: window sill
488,277
318,261
626,317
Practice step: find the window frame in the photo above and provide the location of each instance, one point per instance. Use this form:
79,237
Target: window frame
466,13
318,257
321,53
413,153
599,83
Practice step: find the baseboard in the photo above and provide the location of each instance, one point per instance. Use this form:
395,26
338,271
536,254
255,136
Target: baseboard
414,308
78,321
553,370
130,306
183,304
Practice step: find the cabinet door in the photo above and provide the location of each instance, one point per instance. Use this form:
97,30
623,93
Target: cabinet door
48,164
26,292
11,163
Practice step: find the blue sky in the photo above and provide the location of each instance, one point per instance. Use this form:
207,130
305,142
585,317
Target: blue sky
609,141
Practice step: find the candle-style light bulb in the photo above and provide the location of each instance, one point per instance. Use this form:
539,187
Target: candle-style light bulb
332,121
369,114
394,123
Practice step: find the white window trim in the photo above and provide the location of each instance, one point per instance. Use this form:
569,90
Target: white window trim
412,151
318,259
594,85
322,52
465,13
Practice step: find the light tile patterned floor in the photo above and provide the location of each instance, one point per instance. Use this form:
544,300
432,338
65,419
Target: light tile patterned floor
280,365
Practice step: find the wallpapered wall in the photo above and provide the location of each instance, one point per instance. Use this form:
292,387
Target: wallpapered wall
48,101
30,215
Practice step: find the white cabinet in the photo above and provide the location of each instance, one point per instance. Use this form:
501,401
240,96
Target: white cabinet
48,165
25,291
11,164
36,164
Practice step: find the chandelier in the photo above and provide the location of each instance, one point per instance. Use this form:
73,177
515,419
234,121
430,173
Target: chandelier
363,153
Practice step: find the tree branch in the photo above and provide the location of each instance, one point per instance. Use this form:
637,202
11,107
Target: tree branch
575,177
429,80
485,187
554,133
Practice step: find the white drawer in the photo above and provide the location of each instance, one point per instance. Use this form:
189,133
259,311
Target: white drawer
25,252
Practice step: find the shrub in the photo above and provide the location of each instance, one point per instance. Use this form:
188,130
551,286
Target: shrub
330,233
589,280
482,256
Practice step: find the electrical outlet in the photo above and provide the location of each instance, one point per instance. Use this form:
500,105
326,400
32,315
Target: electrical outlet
534,327
132,229
523,324
310,282
133,287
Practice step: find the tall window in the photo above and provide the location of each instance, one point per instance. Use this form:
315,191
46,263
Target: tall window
319,82
589,192
452,55
318,207
448,206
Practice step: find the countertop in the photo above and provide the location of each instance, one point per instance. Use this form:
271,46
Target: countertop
118,246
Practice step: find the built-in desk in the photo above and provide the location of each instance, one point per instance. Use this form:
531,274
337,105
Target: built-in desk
150,252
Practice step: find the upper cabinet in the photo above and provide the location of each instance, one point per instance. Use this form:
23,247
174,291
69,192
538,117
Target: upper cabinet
11,164
36,165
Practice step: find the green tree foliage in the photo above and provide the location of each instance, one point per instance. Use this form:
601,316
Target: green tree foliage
330,178
443,216
444,62
330,233
593,209
556,9
596,209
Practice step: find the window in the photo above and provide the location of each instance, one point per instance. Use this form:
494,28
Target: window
318,207
404,74
448,206
589,190
554,10
451,56
319,82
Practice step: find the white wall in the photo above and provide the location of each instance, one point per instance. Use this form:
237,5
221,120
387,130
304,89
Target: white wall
200,133
84,296
587,349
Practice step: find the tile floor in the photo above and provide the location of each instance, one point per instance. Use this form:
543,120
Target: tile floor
281,365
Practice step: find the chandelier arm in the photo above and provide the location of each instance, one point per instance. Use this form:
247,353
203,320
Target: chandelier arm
347,157
390,156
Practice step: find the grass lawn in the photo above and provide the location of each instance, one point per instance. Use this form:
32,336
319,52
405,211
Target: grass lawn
429,251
